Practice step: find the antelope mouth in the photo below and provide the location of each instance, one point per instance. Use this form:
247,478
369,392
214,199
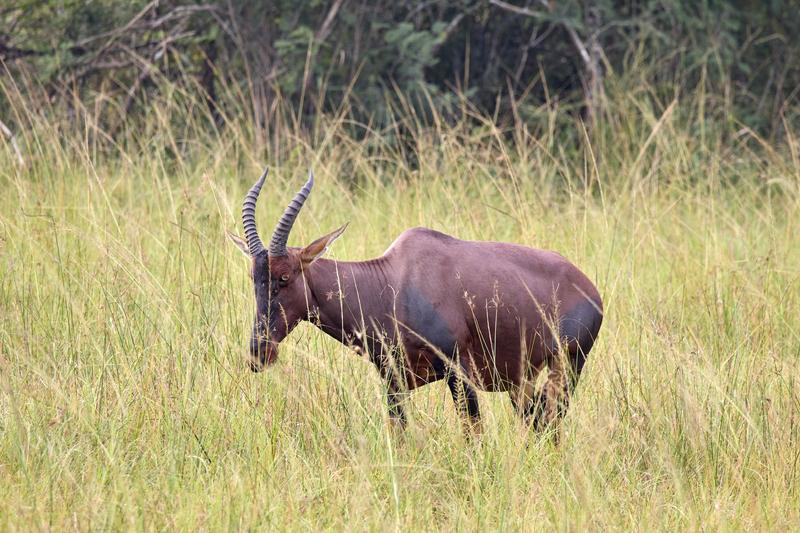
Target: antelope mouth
256,365
267,356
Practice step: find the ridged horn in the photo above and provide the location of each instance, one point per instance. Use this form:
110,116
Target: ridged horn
249,216
280,236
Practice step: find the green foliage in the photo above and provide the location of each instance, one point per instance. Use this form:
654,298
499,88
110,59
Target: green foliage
744,55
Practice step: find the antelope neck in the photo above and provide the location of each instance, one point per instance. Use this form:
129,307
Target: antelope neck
340,293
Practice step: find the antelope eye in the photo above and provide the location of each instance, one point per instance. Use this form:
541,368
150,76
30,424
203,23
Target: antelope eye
285,277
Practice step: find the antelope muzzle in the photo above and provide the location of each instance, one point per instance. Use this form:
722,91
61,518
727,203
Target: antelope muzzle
263,352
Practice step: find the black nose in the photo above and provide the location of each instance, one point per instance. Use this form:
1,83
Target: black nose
258,354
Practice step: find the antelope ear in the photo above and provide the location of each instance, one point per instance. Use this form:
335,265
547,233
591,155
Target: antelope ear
316,249
239,242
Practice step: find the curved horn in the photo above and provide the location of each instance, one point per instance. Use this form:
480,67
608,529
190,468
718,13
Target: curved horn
249,216
277,245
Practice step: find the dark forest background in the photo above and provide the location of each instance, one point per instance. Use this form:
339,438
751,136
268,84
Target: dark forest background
503,59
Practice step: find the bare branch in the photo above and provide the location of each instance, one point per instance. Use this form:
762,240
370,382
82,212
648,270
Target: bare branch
327,24
590,55
447,32
576,41
573,35
524,11
12,52
138,24
533,41
13,141
451,27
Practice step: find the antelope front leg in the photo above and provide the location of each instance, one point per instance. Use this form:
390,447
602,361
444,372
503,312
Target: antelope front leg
394,399
396,390
466,400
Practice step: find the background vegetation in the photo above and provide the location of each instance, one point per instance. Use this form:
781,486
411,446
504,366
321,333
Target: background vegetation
667,167
506,58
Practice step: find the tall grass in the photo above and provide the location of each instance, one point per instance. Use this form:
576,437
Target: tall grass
125,401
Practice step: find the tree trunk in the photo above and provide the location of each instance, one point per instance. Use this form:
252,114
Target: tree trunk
595,93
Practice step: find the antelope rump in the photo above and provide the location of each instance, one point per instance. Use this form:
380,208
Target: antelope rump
481,315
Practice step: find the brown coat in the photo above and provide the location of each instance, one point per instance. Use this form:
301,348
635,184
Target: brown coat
486,315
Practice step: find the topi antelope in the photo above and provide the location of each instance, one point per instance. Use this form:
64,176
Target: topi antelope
486,315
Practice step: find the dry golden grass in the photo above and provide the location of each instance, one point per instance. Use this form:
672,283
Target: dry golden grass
125,401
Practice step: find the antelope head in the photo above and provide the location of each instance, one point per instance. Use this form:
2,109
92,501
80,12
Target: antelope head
280,274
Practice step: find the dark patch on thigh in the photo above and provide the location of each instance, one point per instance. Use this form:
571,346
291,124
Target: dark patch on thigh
439,368
578,328
424,324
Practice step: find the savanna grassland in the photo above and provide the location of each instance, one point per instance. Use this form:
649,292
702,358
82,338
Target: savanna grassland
126,402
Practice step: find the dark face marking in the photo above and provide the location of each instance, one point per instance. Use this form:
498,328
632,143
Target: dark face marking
281,302
266,313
